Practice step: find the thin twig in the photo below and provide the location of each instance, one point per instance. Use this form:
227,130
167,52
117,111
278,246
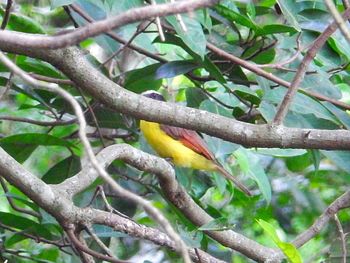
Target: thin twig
7,86
40,123
6,17
139,30
91,232
340,203
58,243
310,54
253,68
342,238
158,23
79,245
149,208
280,65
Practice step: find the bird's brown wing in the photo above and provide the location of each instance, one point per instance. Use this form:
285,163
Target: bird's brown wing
190,139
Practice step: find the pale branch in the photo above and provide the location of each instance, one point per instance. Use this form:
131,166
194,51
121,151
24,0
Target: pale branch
260,72
122,224
309,56
171,189
58,204
340,203
341,23
96,28
117,38
342,237
149,208
72,62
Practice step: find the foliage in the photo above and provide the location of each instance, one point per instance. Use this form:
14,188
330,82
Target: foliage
292,186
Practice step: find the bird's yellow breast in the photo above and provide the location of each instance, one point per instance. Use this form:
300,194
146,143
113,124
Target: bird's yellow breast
167,147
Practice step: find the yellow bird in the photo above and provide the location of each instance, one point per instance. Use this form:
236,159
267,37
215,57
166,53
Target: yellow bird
184,147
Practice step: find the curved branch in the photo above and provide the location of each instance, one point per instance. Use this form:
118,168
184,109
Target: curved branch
57,203
96,28
171,189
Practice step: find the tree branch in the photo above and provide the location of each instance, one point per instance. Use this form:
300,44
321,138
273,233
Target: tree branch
340,203
72,62
171,189
96,28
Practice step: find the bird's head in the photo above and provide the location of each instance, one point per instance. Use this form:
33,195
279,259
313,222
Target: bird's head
153,95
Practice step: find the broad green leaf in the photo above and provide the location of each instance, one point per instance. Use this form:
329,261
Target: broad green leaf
277,29
194,97
21,23
140,80
339,158
25,224
299,163
289,11
175,68
194,36
250,165
301,104
288,249
62,170
236,17
20,146
106,118
342,116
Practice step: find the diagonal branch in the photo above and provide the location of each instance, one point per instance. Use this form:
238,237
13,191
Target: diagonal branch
96,28
310,54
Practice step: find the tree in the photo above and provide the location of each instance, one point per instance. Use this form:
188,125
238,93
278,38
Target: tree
265,82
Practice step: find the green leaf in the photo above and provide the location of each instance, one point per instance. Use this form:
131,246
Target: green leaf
288,249
194,97
175,68
289,11
24,224
20,146
277,29
339,158
106,118
236,17
250,165
140,80
62,170
194,36
21,23
342,116
299,163
301,104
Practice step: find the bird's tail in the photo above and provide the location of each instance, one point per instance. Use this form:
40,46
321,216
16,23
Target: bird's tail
230,177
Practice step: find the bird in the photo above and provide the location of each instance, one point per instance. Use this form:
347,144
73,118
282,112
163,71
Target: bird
184,147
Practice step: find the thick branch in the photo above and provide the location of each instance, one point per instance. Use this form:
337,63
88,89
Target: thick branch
72,62
57,203
96,28
172,190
